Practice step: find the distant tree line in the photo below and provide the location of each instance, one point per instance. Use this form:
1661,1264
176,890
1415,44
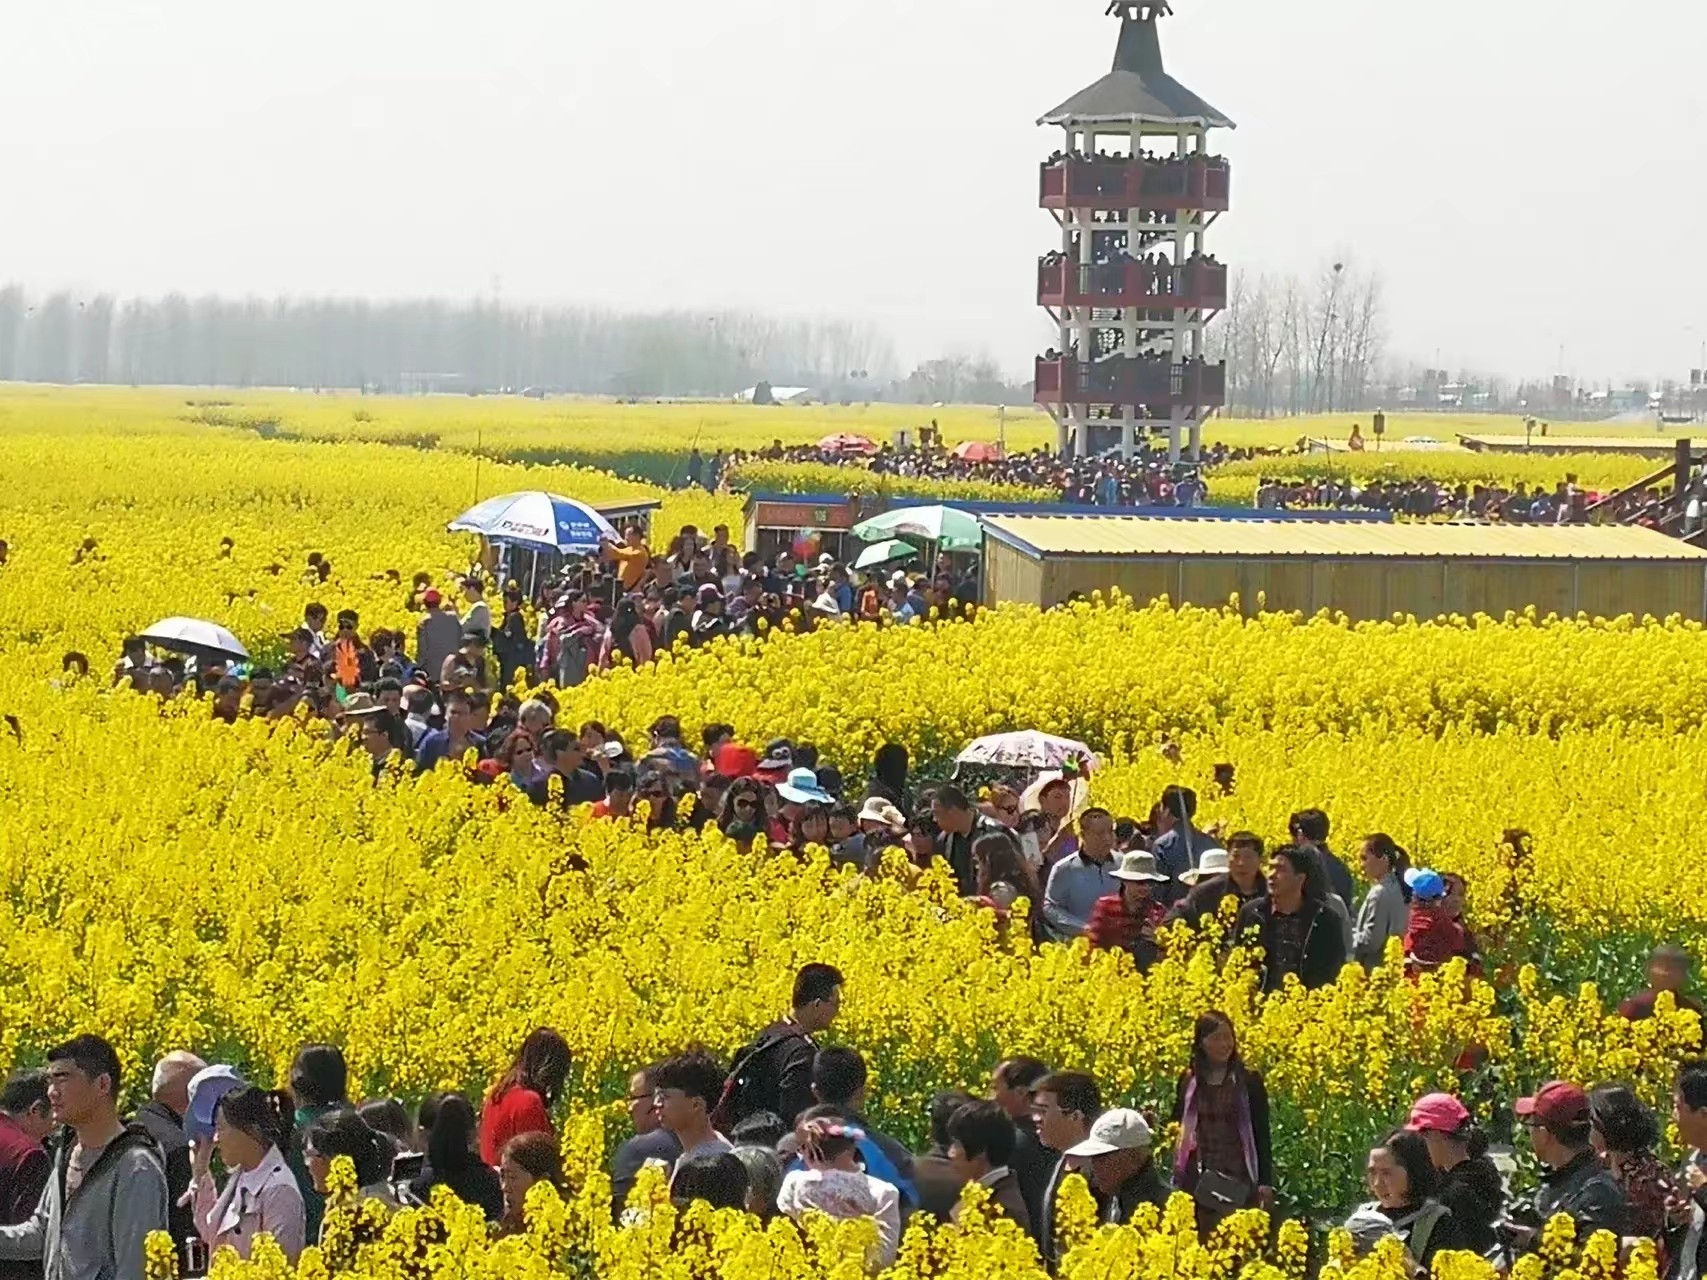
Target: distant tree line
426,345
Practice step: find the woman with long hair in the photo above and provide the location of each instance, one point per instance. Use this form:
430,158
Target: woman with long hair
452,1131
1385,909
889,776
629,637
1225,1157
251,1129
1625,1133
341,1132
522,1099
526,1159
809,826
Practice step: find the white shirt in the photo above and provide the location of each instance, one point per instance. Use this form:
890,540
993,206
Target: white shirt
843,1194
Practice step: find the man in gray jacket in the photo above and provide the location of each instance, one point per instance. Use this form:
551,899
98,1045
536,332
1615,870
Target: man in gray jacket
107,1190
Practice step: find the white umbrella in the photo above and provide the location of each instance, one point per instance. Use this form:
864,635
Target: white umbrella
1027,749
195,636
538,519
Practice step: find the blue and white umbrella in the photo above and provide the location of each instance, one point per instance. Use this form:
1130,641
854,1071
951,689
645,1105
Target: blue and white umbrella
538,519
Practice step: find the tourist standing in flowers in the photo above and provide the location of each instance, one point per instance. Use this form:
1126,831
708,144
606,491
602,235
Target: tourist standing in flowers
252,1129
1668,970
522,1099
26,1120
1403,1180
319,1082
1123,1169
1384,911
107,1189
1559,1121
1234,872
981,1140
774,1072
1469,1185
889,777
1433,933
1689,1108
1063,1106
452,1134
938,1183
1624,1134
341,1132
1128,918
1178,843
1225,1155
1310,829
832,1183
1011,1084
526,1159
686,1089
1297,932
1081,877
651,1141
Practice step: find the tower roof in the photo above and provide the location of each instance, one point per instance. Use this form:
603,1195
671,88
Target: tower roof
1137,89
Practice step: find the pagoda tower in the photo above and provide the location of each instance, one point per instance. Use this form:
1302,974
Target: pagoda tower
1135,189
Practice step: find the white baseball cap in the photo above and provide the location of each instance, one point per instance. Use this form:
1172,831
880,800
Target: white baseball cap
1119,1130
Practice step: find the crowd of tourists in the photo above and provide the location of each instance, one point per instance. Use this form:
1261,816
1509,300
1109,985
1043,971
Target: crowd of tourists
217,1159
627,607
1147,480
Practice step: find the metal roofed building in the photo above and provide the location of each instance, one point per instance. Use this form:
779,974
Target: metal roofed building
1366,571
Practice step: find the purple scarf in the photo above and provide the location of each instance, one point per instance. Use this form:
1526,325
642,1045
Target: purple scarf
1188,1128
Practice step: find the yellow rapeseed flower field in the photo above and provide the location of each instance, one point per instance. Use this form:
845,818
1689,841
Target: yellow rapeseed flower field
171,881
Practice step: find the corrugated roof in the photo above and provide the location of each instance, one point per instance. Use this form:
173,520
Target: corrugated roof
1135,536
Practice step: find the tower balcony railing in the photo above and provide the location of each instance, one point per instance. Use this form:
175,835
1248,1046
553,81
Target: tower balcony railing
1164,184
1133,284
1154,383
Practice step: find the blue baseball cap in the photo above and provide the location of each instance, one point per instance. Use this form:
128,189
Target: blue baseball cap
1425,885
207,1087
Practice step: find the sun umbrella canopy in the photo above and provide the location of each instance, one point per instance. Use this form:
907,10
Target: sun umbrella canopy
888,552
538,519
948,527
844,442
978,451
194,636
1028,749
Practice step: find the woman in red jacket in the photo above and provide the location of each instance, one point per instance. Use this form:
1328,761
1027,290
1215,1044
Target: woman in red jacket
521,1101
1129,919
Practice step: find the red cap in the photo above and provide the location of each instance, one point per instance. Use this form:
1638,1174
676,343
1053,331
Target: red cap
431,598
1437,1113
735,761
1555,1103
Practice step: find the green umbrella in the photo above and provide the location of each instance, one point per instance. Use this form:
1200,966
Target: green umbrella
948,527
885,553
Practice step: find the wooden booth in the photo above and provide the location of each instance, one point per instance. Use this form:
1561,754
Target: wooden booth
1363,570
806,525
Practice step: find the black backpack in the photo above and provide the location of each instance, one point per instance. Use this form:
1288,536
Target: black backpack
745,1090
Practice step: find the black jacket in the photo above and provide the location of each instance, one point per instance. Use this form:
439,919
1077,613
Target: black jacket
1206,895
1145,1187
1475,1193
1586,1191
474,1184
166,1127
1032,1163
1324,943
780,1077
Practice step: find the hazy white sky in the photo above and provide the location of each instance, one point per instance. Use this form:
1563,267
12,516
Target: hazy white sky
1526,174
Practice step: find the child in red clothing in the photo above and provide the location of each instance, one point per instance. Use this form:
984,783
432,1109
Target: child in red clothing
1129,919
1435,934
